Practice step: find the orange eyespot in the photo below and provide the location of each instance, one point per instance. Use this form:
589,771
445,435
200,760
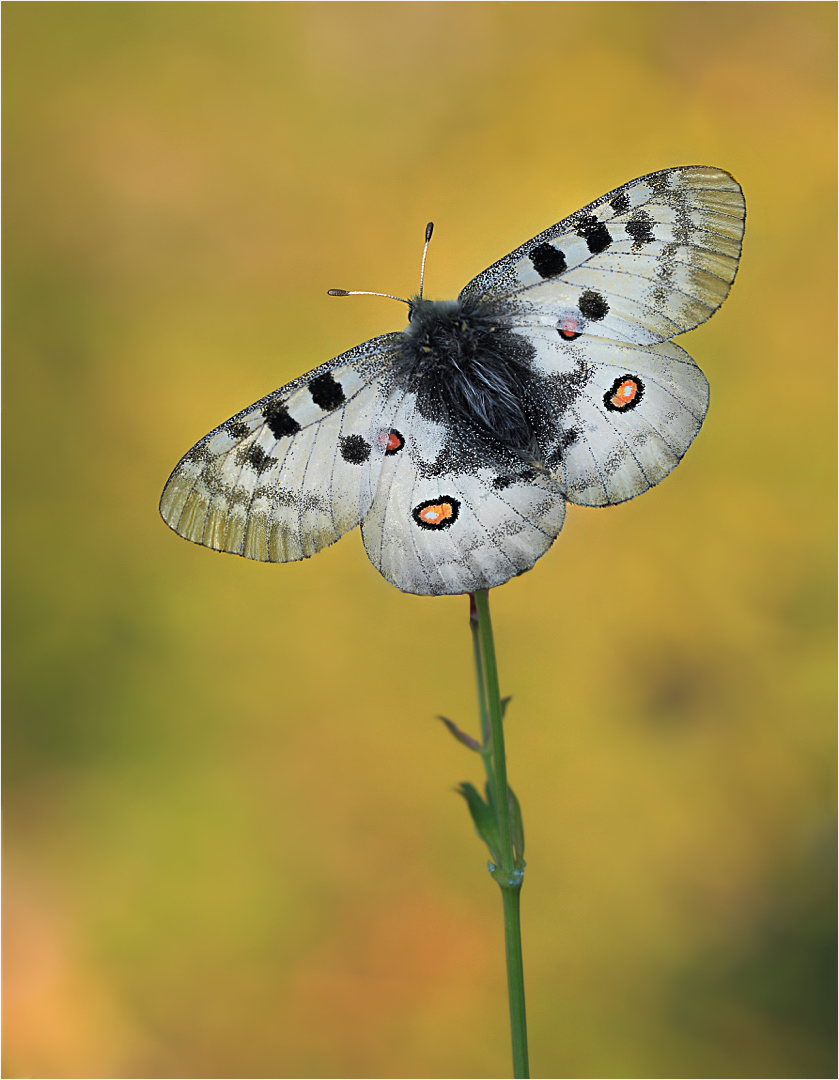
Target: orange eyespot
625,393
569,328
433,515
437,513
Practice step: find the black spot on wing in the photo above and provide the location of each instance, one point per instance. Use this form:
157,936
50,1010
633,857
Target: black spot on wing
213,483
593,305
640,228
620,203
595,234
354,449
326,392
254,457
236,429
279,420
548,261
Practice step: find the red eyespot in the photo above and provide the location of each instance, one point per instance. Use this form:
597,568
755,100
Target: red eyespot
569,328
391,440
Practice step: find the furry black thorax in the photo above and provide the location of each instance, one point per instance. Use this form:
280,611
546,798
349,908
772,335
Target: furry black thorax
464,364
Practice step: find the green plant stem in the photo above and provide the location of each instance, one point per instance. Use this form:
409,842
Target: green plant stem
515,979
510,876
486,738
493,701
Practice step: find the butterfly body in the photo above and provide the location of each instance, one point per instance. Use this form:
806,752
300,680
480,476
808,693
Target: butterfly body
467,366
456,442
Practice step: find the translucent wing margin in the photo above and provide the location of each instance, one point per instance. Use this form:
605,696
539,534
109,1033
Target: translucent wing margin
643,263
291,474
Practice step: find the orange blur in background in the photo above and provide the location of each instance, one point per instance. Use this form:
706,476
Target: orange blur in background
232,844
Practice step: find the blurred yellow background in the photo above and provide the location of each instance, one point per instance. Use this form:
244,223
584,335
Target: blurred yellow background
232,847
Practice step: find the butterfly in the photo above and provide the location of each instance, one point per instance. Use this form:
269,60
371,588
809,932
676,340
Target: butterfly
456,442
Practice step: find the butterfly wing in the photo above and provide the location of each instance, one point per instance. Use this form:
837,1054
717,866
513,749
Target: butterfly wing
598,297
642,264
623,415
292,473
452,515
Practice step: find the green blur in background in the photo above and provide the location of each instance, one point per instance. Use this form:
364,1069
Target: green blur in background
232,844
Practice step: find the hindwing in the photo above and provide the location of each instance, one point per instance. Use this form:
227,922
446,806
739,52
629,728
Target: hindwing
623,415
453,514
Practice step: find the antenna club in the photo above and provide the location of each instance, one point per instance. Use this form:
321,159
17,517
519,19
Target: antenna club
429,229
337,292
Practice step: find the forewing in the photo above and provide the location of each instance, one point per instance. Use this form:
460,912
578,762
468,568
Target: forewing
452,515
622,416
643,263
294,472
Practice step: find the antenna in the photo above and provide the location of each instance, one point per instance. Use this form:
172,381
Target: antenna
429,229
363,292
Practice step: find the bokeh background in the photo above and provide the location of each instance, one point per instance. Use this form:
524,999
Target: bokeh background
232,847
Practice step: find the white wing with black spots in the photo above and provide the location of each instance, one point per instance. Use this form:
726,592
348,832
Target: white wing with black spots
642,264
295,471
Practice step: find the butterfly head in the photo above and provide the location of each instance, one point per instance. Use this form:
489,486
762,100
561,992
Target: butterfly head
424,316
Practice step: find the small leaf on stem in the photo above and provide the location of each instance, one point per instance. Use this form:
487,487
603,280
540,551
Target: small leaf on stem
461,736
483,817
